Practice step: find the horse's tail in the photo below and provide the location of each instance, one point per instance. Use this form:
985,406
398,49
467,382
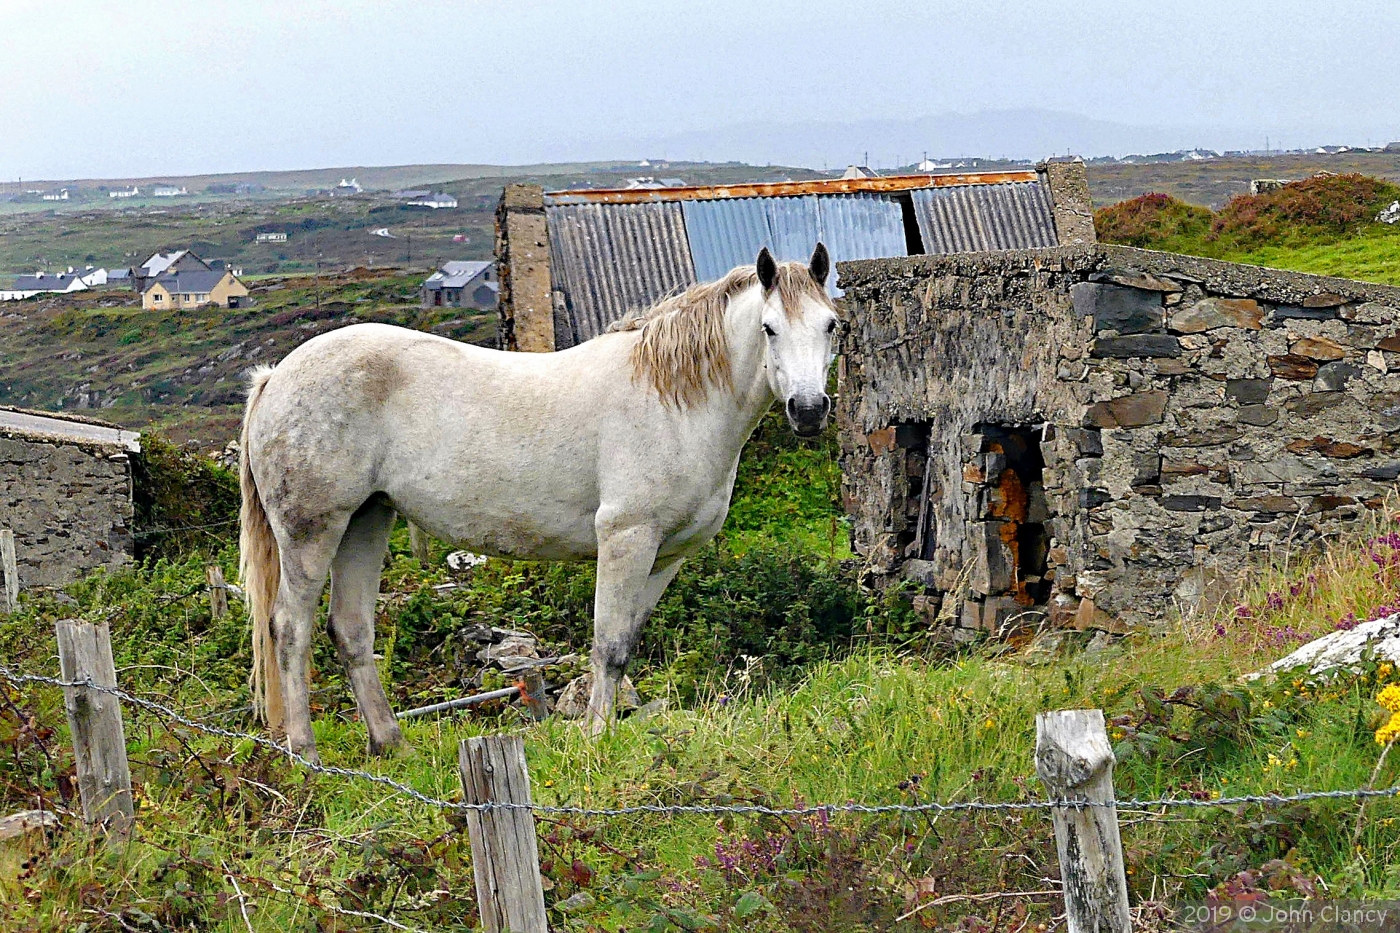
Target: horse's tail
260,567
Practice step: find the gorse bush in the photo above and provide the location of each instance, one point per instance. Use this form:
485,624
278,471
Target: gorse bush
1323,206
1152,221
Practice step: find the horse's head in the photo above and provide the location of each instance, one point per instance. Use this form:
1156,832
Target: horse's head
799,324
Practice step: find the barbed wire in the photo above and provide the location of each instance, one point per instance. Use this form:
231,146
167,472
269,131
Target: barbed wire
148,532
16,678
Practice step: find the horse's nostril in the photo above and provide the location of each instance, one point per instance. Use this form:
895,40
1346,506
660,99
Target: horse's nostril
792,407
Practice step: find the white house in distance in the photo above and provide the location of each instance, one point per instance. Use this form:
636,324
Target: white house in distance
60,195
168,191
27,286
462,285
131,192
273,237
435,201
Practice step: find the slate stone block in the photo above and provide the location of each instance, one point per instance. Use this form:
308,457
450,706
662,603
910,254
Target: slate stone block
1292,366
1191,503
1210,313
1296,313
1115,307
1093,498
1143,346
1315,403
1248,391
1129,411
1333,377
1322,349
1388,473
1088,441
1257,415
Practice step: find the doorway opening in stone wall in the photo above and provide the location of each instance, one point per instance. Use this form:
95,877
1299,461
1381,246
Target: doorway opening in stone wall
919,537
1004,479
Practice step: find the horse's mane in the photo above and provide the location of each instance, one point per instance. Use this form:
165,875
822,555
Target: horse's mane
682,350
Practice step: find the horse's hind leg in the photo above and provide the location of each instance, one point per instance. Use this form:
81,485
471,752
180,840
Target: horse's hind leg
354,587
304,567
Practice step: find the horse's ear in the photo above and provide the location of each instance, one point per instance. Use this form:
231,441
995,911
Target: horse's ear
820,266
767,269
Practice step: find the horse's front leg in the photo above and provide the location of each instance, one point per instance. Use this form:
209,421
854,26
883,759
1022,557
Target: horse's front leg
630,581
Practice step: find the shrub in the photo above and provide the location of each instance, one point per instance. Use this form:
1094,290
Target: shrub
1152,221
183,501
1322,206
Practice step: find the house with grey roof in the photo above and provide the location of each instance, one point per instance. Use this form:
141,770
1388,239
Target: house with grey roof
190,288
469,284
27,286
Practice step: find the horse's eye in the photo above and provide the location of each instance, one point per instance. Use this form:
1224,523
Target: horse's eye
831,327
769,331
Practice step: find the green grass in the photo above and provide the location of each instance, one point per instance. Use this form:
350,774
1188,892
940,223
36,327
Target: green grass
872,724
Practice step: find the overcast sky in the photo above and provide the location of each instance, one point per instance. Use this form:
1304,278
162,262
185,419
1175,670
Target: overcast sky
135,88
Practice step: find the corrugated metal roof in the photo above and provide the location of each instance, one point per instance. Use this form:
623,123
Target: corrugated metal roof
976,218
609,259
777,189
617,251
730,232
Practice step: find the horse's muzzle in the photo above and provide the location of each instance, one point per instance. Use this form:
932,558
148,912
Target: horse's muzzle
808,416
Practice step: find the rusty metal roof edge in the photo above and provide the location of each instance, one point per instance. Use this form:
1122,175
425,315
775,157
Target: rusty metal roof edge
885,184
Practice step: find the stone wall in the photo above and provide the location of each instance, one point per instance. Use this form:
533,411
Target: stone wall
69,504
1104,435
525,302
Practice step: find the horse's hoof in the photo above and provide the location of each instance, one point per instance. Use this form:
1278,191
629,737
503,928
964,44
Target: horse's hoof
394,747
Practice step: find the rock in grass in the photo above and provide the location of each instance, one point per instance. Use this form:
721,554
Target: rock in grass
25,822
1379,638
573,699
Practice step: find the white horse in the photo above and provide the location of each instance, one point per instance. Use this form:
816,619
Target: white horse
622,449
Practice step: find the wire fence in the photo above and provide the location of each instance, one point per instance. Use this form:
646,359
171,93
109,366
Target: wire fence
17,679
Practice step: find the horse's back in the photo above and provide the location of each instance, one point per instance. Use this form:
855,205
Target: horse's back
481,447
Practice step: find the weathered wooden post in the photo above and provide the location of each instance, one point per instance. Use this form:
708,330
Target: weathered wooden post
532,694
1075,763
421,543
9,566
505,852
95,719
218,591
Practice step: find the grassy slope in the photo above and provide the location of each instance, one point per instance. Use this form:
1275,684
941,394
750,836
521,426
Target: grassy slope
182,370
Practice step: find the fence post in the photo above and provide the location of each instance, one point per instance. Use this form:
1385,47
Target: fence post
505,852
9,599
421,543
95,718
218,591
532,694
1075,762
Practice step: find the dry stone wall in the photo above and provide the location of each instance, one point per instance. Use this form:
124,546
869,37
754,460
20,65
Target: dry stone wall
1103,435
69,505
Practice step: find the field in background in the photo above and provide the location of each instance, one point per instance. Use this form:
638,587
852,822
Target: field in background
337,232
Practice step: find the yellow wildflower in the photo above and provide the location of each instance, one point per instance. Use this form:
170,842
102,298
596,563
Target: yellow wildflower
1390,731
1384,671
1390,698
1303,733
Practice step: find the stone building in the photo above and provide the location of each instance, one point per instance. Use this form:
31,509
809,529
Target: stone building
1102,436
66,492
